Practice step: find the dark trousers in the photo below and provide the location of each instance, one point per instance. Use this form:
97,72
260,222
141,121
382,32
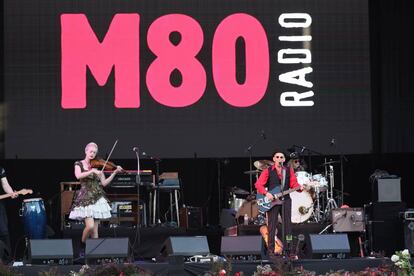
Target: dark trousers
272,221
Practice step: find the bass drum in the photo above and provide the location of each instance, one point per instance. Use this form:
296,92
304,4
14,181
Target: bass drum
302,206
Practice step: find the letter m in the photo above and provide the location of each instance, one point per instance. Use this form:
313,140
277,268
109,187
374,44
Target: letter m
81,49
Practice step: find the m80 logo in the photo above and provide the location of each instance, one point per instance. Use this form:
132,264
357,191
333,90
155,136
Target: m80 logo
120,49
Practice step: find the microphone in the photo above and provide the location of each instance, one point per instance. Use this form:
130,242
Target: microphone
263,134
135,149
332,142
303,149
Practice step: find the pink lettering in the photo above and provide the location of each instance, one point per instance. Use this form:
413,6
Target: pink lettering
224,60
119,49
180,57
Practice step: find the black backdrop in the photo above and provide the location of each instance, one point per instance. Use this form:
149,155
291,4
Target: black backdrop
392,132
36,121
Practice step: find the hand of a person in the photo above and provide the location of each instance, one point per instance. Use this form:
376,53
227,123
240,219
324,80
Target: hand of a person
14,194
96,172
118,169
269,196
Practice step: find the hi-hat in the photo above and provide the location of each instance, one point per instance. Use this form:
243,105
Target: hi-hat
238,191
263,164
331,162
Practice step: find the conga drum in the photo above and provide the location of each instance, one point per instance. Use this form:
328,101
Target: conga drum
34,218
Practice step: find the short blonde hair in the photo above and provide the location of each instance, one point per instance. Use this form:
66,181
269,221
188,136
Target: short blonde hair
91,144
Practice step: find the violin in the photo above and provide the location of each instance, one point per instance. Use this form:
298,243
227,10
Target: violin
101,164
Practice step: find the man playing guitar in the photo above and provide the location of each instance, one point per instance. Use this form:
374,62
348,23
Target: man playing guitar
277,178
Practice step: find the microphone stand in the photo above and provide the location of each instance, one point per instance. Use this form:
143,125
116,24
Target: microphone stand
156,211
138,183
249,150
309,152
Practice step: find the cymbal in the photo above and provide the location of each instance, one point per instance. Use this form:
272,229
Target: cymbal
331,162
263,164
252,172
238,191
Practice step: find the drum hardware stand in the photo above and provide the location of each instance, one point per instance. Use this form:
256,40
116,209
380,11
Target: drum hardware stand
342,158
249,150
331,203
309,152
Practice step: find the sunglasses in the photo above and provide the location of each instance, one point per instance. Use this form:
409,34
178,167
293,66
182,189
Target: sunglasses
295,161
279,157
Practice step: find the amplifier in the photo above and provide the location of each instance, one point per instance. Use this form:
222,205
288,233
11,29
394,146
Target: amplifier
191,217
409,214
348,220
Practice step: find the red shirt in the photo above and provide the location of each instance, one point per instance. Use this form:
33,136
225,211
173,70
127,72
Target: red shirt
264,176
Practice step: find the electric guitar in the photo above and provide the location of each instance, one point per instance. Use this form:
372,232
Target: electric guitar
265,204
21,192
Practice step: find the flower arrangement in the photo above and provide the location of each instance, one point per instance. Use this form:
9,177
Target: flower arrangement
110,269
401,260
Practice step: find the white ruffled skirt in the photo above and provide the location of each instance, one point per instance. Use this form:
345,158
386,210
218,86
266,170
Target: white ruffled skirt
98,210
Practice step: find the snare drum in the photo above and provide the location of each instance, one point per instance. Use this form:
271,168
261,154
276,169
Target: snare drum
34,218
322,185
236,203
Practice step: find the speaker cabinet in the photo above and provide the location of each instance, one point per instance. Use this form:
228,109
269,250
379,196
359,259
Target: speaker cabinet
348,220
228,218
50,252
387,211
185,246
387,190
100,251
330,246
191,217
241,245
409,235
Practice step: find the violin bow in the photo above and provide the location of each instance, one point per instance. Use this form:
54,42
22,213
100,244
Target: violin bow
109,156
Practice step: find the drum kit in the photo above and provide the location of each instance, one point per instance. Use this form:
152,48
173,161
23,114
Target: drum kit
313,204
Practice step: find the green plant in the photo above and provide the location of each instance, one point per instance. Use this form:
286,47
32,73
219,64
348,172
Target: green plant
401,260
7,271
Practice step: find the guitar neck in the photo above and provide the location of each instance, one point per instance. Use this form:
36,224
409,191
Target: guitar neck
287,192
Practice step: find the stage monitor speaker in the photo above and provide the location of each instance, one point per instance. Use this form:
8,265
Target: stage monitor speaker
330,246
114,250
387,190
241,245
348,220
50,252
185,246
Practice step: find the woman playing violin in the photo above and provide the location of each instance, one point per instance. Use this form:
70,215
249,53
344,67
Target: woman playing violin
90,203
